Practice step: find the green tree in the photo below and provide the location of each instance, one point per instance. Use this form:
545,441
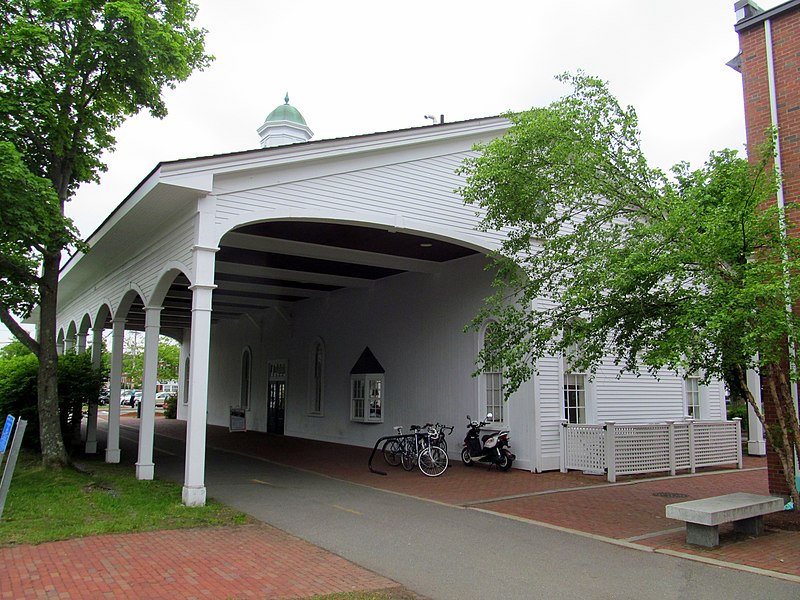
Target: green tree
71,72
606,258
169,358
12,349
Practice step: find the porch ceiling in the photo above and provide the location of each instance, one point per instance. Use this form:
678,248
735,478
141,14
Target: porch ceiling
276,264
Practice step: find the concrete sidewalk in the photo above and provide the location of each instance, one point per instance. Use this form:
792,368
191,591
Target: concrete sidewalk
259,561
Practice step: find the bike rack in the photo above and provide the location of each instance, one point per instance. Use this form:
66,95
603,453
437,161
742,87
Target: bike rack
383,439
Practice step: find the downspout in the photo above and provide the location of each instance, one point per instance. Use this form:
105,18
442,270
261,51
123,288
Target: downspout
781,199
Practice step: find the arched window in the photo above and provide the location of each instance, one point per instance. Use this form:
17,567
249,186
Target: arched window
317,377
244,395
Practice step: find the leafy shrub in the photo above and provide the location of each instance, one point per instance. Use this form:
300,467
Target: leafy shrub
78,384
171,407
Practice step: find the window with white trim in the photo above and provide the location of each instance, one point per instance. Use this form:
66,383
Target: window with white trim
367,389
575,397
244,388
693,396
493,384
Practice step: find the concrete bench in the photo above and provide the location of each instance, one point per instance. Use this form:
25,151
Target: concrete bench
703,517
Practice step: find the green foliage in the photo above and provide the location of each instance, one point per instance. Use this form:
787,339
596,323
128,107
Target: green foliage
12,349
603,253
72,71
18,376
31,216
78,384
101,498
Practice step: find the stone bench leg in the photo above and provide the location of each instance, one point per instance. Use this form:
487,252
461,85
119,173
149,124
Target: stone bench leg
702,535
751,526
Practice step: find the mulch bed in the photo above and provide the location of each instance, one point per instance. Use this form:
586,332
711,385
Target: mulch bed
788,520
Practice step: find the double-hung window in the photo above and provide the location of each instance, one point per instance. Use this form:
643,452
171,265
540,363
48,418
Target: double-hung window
693,396
493,382
367,389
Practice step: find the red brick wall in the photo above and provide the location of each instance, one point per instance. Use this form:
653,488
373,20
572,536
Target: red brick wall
786,59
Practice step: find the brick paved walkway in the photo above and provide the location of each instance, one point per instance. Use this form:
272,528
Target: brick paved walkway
249,561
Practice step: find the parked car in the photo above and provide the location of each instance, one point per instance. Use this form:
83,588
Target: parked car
161,398
136,399
103,398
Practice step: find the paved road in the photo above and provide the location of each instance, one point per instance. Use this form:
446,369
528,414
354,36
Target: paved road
451,553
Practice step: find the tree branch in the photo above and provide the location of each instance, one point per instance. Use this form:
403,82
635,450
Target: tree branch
23,336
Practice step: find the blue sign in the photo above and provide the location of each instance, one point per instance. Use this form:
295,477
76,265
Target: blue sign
6,433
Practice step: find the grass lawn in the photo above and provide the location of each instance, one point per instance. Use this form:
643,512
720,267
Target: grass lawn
44,505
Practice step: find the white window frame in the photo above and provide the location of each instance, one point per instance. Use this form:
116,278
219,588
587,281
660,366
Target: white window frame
367,397
575,385
245,378
692,390
316,396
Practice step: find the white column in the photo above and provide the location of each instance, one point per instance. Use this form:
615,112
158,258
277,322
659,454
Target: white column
183,374
147,409
91,421
194,490
117,348
756,444
81,345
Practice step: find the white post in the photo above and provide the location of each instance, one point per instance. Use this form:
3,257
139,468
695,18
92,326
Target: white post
672,459
81,339
690,427
611,459
117,348
739,458
756,443
147,408
562,432
91,421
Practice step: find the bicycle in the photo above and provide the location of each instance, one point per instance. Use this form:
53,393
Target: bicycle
430,459
393,448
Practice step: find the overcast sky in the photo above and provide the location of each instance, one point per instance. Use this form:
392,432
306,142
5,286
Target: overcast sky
354,67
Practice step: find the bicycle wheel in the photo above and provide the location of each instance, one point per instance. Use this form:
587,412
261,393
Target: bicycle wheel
433,461
408,458
391,452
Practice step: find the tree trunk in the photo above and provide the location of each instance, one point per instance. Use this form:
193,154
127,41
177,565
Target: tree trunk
54,454
784,440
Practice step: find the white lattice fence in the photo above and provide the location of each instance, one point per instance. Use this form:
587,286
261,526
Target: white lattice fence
648,448
583,448
641,448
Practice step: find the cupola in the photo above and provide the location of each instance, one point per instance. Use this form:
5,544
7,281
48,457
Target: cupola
284,125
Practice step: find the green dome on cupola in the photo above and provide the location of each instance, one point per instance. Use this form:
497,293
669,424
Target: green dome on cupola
284,125
286,112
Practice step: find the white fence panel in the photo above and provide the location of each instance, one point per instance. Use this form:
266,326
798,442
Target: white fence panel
648,448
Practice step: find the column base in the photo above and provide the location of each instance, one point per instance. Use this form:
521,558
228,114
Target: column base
90,448
112,455
757,448
194,496
145,471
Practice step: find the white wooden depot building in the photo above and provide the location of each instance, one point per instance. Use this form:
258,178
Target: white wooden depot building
322,288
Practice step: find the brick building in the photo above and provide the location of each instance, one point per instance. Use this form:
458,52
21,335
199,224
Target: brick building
769,61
